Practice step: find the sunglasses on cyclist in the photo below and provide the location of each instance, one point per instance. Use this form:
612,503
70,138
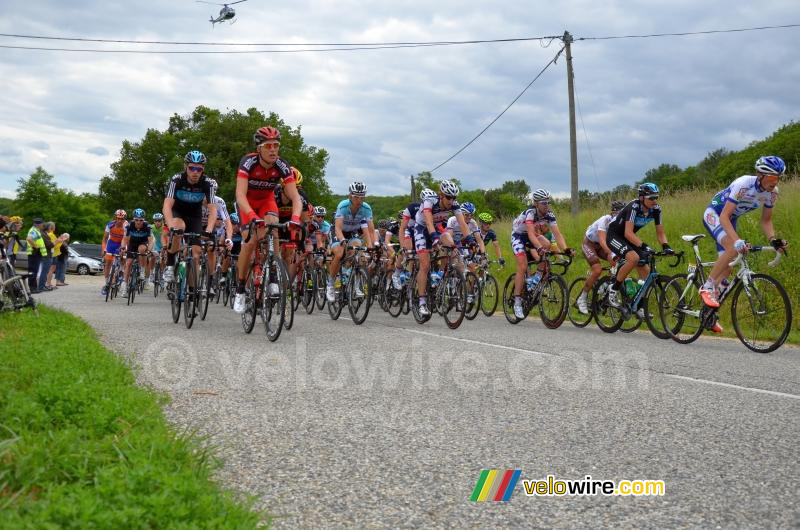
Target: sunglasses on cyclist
651,197
195,168
544,203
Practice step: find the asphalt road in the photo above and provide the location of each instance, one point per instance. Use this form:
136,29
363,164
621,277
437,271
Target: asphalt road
389,424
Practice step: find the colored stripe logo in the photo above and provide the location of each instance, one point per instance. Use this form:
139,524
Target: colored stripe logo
495,485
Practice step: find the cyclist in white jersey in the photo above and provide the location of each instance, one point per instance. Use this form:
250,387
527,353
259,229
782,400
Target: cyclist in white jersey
222,229
595,248
744,194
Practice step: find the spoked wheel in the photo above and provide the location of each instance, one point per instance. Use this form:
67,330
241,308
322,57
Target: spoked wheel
631,323
394,299
156,279
553,301
681,309
109,286
308,286
653,298
508,300
252,297
490,295
132,289
190,300
275,305
414,302
573,312
761,313
202,291
335,307
216,282
176,299
292,301
608,318
226,291
358,295
473,300
320,284
451,299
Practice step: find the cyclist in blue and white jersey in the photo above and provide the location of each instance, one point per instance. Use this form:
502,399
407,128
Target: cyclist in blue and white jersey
473,235
527,233
353,216
429,229
320,229
745,194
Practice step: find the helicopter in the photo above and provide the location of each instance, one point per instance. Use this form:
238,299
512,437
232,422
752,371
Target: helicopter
226,13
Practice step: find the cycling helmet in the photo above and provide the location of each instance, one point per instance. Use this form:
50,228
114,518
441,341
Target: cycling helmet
448,189
235,218
648,188
486,217
121,214
468,208
540,195
427,194
320,210
195,157
383,224
138,213
298,177
771,165
359,189
15,219
158,217
265,134
617,206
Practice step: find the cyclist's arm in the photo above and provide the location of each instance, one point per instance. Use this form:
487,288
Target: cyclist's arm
150,242
562,243
428,221
290,189
370,233
497,251
630,235
387,239
601,239
661,234
212,217
228,228
766,223
125,242
166,209
241,198
534,239
479,239
725,221
102,245
338,223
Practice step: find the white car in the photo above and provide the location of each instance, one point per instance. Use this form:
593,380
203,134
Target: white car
75,263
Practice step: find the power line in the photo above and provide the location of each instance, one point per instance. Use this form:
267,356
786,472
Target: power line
212,52
552,61
348,44
685,33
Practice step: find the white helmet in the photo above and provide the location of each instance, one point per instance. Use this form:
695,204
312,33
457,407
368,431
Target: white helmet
539,195
358,189
427,194
448,188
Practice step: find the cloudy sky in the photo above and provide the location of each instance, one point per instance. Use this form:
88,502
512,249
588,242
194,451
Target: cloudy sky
385,114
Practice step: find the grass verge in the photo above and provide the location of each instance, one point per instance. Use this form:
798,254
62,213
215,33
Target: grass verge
81,445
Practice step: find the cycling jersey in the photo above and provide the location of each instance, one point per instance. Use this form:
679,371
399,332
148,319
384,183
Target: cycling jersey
455,226
745,194
222,210
285,210
600,225
540,222
489,236
353,222
634,212
156,233
438,211
189,197
138,234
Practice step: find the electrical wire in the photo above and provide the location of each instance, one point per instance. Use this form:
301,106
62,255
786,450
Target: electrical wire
685,33
552,61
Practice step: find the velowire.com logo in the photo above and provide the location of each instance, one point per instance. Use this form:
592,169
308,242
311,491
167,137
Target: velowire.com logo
495,485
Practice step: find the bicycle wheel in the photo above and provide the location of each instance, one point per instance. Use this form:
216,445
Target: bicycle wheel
630,323
553,301
573,313
202,290
608,318
156,279
358,295
681,309
473,292
335,307
414,301
320,284
190,298
308,290
226,290
216,282
296,290
761,313
132,286
290,293
508,300
653,298
252,291
394,299
489,295
275,301
451,299
176,301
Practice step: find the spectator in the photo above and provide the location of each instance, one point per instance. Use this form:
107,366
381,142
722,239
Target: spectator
61,261
56,253
47,257
14,242
36,249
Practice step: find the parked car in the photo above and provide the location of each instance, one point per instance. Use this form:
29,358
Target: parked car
76,262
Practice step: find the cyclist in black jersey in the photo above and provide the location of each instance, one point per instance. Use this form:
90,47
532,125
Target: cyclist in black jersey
621,237
489,235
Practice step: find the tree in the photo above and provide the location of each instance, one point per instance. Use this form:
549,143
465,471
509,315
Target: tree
140,175
517,188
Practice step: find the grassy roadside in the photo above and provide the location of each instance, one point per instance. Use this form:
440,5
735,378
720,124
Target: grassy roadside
683,214
82,446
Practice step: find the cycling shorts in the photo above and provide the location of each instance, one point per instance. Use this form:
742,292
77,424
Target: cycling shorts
714,227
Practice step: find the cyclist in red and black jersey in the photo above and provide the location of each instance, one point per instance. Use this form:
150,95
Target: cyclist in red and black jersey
258,176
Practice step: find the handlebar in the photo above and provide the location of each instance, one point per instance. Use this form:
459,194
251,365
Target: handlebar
262,223
765,248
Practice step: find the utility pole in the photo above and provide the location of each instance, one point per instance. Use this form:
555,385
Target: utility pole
413,194
573,146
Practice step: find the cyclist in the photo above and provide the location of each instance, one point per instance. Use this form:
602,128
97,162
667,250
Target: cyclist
321,228
406,231
595,248
527,233
488,235
158,244
285,210
473,235
138,239
745,194
621,237
113,235
187,193
222,233
353,215
259,174
429,229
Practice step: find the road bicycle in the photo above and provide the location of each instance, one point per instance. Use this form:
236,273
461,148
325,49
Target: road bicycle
549,292
14,292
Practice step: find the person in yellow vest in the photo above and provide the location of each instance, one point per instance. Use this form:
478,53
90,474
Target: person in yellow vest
61,261
36,249
47,256
56,252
